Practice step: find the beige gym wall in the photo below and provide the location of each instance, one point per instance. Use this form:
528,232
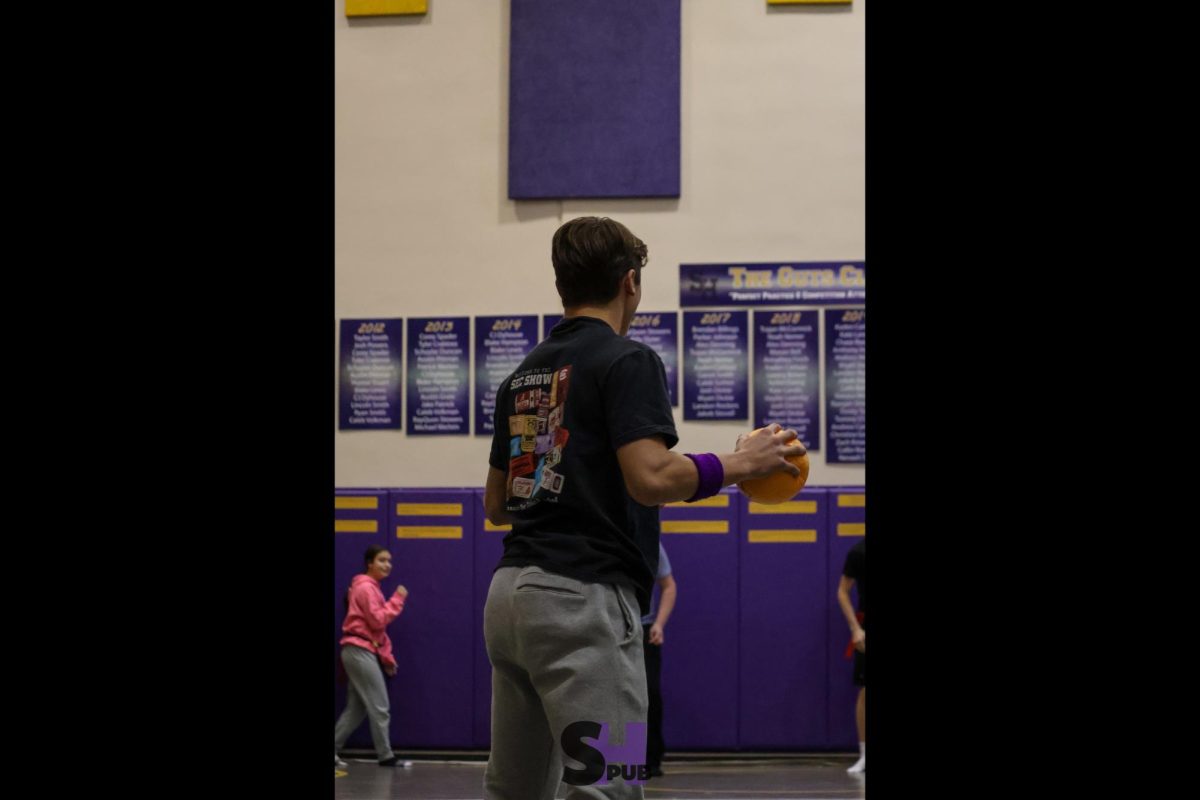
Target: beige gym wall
773,165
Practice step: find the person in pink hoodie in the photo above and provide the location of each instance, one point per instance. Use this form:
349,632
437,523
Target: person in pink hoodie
367,655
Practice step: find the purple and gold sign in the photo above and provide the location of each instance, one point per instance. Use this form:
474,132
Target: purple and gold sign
809,283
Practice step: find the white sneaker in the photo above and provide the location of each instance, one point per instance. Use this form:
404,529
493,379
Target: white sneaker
859,767
337,762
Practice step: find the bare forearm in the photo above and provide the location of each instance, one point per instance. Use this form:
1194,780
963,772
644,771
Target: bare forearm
737,467
498,516
494,496
655,476
847,607
676,478
666,604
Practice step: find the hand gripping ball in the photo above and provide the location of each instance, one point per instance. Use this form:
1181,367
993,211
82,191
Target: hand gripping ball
778,487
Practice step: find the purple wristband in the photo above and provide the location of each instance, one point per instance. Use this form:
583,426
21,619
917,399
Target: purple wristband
712,475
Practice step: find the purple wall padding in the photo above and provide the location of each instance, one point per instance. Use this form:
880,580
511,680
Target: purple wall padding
348,550
844,508
489,547
594,99
430,696
700,642
753,657
784,630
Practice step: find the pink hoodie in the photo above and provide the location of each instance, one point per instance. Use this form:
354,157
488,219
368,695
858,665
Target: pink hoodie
367,620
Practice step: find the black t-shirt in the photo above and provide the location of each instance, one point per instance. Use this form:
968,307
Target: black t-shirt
856,568
560,418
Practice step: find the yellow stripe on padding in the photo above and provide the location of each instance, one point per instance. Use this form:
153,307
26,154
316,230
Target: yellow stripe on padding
356,526
695,526
852,529
429,509
716,501
379,8
791,507
428,532
488,526
780,535
357,503
852,501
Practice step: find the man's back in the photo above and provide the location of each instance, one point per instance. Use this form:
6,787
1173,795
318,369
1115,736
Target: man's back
560,418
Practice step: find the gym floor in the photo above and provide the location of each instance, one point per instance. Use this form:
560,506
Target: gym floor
711,777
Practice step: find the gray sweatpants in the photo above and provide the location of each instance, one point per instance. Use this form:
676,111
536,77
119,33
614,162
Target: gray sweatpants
562,651
366,696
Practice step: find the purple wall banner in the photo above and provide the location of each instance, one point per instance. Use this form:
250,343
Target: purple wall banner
438,373
846,385
593,99
715,365
369,387
501,343
548,322
807,283
659,330
731,680
787,372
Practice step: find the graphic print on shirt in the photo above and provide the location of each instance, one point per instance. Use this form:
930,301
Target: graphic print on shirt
537,436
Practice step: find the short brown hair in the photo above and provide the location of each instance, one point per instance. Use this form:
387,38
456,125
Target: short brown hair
590,256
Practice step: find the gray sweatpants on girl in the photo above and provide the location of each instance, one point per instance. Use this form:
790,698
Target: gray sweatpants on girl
562,651
366,696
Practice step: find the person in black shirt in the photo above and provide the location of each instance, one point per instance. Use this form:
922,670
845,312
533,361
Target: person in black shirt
580,462
855,572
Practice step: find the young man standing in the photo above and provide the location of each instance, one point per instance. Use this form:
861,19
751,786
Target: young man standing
580,462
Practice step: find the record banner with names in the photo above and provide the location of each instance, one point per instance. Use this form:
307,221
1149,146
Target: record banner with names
715,365
846,385
371,358
438,375
659,330
501,344
787,372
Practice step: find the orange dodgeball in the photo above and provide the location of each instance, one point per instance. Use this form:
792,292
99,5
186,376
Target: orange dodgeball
779,487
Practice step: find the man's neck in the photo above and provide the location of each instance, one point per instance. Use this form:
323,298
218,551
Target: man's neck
610,314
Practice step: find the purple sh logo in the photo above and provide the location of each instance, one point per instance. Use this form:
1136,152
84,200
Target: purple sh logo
603,761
